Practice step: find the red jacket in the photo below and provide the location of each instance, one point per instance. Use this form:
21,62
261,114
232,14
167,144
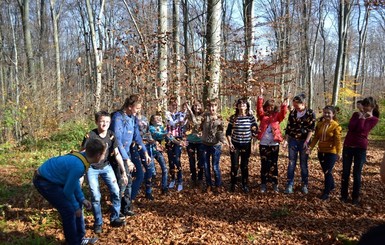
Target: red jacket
274,119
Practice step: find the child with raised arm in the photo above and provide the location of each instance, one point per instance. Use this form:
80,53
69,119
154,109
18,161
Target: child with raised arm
269,137
355,145
159,133
212,139
328,136
174,124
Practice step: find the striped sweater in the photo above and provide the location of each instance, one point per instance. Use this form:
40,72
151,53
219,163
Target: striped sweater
242,128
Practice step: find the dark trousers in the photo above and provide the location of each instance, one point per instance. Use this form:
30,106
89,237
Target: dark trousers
174,152
194,152
241,154
125,190
269,163
350,155
327,161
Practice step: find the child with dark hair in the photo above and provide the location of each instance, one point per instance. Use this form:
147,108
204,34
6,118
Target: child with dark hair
270,137
299,129
175,124
212,140
57,180
159,133
355,145
328,136
125,125
240,130
194,141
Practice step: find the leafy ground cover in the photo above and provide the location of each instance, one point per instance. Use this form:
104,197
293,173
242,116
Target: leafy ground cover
193,216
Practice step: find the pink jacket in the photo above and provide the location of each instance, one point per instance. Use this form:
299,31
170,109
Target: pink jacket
273,119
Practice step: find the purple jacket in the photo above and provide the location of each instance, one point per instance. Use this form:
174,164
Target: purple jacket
358,131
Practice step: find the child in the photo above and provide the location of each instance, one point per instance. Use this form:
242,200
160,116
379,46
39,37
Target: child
299,129
355,145
194,141
105,171
57,180
242,127
270,137
175,123
212,140
159,133
328,136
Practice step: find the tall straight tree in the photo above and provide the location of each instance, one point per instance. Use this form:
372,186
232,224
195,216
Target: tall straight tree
162,56
344,11
213,56
97,51
55,16
176,44
24,9
248,9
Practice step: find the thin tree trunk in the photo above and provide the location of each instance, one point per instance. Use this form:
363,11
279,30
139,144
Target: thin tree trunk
162,57
55,17
176,42
97,52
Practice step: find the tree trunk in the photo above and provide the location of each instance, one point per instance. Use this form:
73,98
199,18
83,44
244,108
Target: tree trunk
55,17
213,62
97,52
24,9
176,42
162,57
344,11
248,10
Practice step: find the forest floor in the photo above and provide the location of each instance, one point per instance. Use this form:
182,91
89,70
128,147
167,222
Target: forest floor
193,216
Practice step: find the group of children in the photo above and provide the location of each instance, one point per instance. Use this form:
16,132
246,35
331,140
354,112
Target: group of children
127,145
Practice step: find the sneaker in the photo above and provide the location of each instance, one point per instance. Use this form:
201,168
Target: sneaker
118,222
89,240
172,184
289,189
275,188
129,213
263,188
180,187
304,189
344,199
149,196
98,229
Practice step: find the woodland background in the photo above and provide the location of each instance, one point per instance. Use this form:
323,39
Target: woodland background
60,61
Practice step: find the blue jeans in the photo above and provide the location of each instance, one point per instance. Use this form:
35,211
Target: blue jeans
149,169
215,153
138,175
194,152
74,227
327,161
109,178
174,152
158,156
295,149
241,151
358,155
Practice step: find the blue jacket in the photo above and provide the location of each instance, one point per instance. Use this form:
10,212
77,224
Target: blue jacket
66,171
126,129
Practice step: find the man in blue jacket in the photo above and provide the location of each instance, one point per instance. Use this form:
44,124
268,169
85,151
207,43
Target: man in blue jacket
57,180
